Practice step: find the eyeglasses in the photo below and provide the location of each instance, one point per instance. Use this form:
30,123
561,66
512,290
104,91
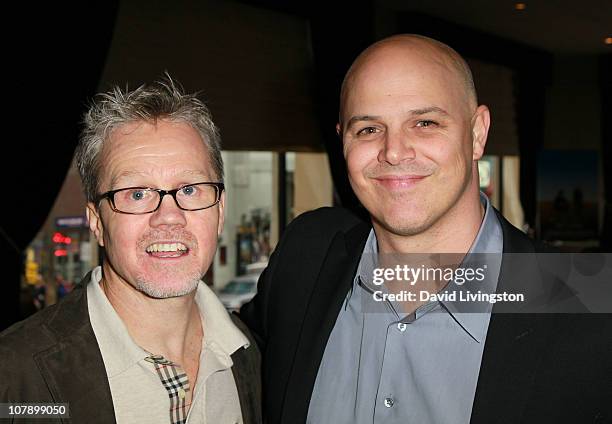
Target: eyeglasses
141,200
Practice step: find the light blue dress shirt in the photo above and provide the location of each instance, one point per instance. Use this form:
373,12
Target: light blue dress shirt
382,366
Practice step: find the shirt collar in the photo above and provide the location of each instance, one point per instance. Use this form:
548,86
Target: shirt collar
219,330
486,250
487,247
120,352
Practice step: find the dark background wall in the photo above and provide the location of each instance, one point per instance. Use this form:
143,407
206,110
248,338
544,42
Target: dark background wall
53,58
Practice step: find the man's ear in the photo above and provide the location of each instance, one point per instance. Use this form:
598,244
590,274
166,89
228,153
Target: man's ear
221,214
95,222
480,130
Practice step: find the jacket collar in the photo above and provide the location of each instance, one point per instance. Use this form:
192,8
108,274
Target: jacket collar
328,293
515,342
72,367
247,364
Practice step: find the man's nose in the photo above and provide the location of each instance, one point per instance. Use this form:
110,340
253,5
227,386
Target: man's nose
397,147
168,213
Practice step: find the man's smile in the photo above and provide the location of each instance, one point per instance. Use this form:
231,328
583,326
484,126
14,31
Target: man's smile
398,182
167,250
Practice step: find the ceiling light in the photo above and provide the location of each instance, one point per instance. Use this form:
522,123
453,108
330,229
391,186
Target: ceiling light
608,40
520,6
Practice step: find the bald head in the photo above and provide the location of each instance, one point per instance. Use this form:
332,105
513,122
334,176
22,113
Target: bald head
422,52
412,135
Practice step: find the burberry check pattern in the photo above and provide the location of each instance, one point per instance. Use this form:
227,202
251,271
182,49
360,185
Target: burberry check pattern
176,383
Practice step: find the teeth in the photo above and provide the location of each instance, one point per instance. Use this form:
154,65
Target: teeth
166,247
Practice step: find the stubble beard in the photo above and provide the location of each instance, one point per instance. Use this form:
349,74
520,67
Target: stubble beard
162,291
167,284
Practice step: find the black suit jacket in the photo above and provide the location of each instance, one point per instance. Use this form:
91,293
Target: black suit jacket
53,357
535,368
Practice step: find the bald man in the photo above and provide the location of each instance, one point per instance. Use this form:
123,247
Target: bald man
346,339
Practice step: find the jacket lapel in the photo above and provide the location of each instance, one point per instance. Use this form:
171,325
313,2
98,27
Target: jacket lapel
513,351
247,363
328,293
514,346
73,368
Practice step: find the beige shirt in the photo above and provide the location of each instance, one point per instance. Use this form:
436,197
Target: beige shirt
137,392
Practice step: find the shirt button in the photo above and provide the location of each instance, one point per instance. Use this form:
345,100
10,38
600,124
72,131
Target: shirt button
402,326
181,393
389,402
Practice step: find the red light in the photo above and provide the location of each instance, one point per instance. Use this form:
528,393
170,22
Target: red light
61,252
60,238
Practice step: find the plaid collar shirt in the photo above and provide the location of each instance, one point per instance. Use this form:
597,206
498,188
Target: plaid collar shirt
148,388
176,383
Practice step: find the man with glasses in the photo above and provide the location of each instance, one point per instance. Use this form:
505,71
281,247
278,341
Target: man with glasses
143,340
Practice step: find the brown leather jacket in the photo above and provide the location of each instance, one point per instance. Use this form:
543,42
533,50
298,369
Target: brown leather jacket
53,357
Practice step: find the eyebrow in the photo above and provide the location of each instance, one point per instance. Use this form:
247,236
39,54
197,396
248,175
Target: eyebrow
423,111
413,112
359,118
125,174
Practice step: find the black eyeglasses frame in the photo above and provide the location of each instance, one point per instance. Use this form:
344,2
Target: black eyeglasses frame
110,195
